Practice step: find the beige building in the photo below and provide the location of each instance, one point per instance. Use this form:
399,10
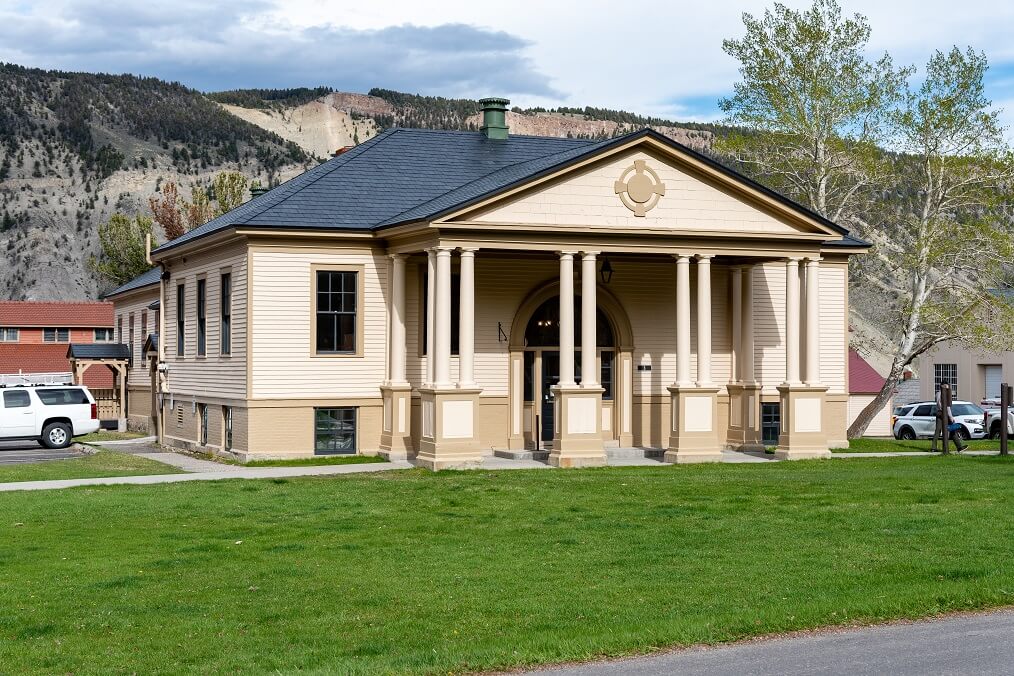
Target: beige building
972,375
447,295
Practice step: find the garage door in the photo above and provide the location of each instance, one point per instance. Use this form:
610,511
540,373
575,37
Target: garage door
994,375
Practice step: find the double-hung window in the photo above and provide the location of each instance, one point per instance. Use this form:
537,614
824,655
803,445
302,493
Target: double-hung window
103,335
56,335
225,327
8,335
202,318
336,311
181,323
946,374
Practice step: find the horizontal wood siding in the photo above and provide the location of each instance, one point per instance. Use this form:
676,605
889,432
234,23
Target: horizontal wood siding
769,324
833,327
284,364
136,303
214,375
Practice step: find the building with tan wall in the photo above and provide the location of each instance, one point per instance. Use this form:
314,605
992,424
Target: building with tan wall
430,295
973,375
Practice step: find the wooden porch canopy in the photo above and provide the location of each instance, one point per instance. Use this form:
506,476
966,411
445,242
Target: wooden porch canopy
114,356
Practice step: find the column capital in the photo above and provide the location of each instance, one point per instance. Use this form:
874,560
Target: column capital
396,256
680,258
590,254
468,250
793,260
813,260
704,257
443,250
567,254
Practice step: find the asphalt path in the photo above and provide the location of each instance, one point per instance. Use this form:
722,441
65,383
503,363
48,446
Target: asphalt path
965,644
17,452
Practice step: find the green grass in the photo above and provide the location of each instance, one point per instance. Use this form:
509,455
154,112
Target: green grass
320,460
418,572
878,445
100,464
106,435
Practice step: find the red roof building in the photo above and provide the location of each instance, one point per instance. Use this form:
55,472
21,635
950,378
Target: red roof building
863,378
34,336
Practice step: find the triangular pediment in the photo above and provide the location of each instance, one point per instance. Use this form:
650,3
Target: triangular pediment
647,185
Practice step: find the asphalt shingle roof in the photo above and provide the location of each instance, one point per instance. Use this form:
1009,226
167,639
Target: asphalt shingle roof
71,314
146,279
406,175
98,351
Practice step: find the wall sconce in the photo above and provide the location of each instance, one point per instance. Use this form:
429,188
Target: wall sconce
606,271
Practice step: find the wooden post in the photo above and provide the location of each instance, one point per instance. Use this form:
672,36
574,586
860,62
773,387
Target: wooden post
945,406
1005,400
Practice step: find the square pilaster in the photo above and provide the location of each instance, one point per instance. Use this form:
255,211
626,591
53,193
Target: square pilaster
744,417
395,435
693,432
450,431
577,427
803,435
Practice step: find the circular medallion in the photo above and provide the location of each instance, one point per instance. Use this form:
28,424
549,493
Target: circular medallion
639,188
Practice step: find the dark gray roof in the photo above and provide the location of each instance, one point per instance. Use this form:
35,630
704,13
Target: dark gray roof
98,351
150,343
849,242
147,279
406,175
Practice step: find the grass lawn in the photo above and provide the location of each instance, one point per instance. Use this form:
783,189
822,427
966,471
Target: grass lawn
100,464
320,460
106,435
418,572
878,445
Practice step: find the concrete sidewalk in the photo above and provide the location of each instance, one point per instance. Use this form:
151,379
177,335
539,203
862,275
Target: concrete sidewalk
221,472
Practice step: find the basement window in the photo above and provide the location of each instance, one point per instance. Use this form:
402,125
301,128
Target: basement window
334,431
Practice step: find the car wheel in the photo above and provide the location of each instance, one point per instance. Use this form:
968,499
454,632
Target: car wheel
56,435
906,434
963,434
994,432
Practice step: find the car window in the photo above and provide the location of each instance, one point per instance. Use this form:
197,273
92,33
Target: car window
965,409
902,411
62,397
17,399
926,409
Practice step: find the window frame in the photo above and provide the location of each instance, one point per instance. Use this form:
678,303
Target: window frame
951,379
360,271
225,313
201,313
355,430
202,424
227,422
181,321
106,332
56,335
17,405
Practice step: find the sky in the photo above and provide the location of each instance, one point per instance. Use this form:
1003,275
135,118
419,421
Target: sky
654,58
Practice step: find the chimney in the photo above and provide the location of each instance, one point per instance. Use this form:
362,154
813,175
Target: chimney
494,118
257,191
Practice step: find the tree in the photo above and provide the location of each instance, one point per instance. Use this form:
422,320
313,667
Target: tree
123,248
943,264
230,188
166,211
199,210
816,101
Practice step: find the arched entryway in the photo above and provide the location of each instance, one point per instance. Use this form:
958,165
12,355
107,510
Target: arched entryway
535,366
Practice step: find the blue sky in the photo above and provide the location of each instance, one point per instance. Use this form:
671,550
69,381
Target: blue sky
661,59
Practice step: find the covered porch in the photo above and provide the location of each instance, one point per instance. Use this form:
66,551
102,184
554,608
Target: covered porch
674,370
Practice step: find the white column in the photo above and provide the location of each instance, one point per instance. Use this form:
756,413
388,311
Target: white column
431,295
792,321
736,286
442,332
589,315
397,319
746,346
567,318
812,373
704,321
466,327
683,320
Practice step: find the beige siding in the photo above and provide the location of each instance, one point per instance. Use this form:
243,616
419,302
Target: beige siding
971,365
136,303
214,375
833,327
880,426
769,325
588,199
284,364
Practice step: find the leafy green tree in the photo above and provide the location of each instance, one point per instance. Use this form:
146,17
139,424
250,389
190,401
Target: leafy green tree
123,254
230,189
817,102
942,264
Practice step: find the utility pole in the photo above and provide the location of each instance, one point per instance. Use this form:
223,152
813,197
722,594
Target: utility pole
1005,401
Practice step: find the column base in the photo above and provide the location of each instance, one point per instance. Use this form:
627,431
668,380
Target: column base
395,437
693,433
450,437
803,435
744,416
577,427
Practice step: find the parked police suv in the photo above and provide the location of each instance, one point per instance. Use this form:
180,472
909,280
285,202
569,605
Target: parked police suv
918,420
50,414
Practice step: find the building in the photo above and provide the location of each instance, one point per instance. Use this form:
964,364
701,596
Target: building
427,295
972,375
864,385
35,336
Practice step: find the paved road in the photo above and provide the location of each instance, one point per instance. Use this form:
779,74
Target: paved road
974,644
16,452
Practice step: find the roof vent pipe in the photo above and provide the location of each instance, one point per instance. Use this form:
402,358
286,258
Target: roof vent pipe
494,118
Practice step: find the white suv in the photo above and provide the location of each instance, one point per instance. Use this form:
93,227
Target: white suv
918,421
50,414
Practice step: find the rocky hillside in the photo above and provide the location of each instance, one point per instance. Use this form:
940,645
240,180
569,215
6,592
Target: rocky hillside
75,147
